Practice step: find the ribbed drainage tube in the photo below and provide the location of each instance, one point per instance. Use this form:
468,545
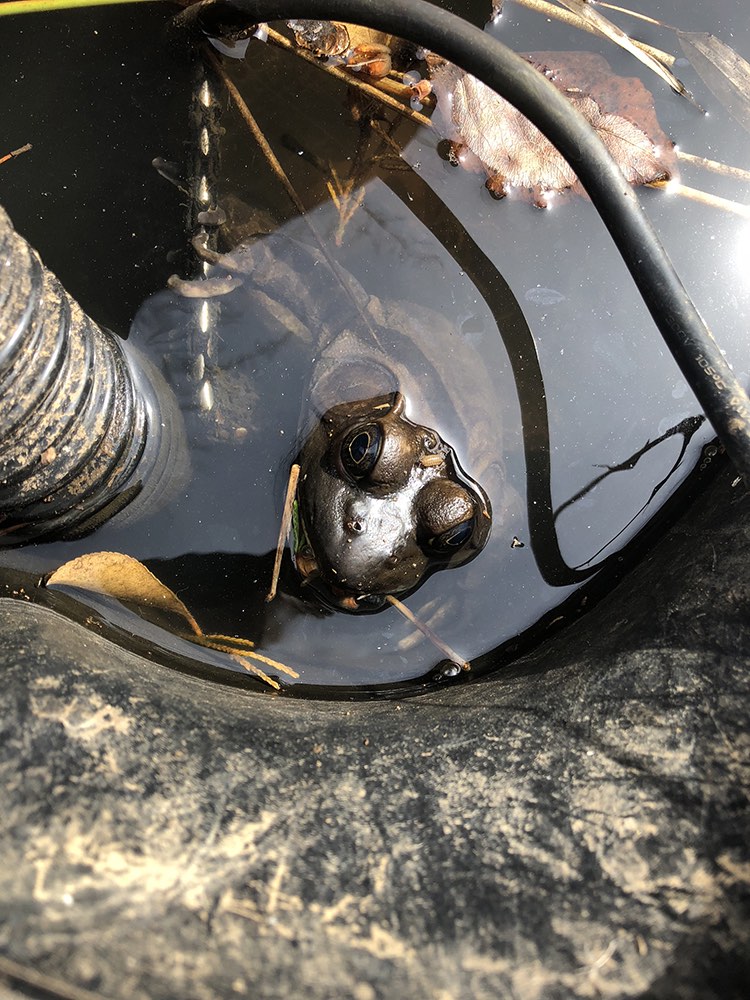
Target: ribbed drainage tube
86,425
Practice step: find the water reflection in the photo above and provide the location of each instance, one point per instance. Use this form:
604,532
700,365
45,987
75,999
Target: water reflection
567,391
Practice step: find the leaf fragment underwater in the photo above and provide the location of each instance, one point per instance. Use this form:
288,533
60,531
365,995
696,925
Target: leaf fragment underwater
126,579
724,71
514,153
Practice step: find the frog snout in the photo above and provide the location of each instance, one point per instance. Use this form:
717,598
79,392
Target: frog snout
375,538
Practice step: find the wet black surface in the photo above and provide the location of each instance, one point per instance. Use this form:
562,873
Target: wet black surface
574,827
545,287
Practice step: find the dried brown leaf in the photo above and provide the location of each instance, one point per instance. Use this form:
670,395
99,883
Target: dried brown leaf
516,155
724,71
124,578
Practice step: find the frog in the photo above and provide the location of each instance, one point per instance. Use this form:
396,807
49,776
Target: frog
400,461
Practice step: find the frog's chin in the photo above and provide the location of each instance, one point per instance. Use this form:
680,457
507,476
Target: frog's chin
337,598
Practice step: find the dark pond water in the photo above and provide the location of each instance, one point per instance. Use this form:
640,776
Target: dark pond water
588,419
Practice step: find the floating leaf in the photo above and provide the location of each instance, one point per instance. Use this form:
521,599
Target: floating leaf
515,154
604,26
124,578
725,73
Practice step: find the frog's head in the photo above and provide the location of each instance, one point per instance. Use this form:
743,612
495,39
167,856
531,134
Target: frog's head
381,503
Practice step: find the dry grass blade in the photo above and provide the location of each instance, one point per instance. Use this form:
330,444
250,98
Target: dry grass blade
632,13
724,71
715,166
704,198
566,17
286,522
605,27
239,650
46,6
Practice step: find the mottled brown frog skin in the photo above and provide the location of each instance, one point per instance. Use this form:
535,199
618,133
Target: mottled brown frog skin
381,503
383,499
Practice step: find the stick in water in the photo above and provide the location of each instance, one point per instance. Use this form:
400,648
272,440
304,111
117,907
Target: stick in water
15,152
286,520
426,630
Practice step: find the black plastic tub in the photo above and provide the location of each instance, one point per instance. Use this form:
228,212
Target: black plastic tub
571,825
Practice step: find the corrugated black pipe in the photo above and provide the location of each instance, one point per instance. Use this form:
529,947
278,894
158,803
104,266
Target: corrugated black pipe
86,424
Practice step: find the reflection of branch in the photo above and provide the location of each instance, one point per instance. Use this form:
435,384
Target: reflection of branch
549,10
686,427
353,81
280,173
347,198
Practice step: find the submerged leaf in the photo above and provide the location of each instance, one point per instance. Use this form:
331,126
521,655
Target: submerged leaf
516,155
724,71
604,26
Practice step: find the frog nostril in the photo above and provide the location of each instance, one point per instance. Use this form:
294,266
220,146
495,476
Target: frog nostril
355,526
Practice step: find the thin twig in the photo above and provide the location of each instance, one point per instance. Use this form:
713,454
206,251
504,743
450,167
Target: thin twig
286,520
353,81
703,198
15,152
714,165
549,10
427,631
30,976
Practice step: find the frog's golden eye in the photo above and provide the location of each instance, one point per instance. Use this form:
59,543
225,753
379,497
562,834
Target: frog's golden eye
361,449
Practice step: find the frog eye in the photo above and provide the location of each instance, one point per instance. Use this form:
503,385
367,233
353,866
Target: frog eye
447,516
361,449
454,538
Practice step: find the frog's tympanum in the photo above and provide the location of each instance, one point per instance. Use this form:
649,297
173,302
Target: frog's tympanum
381,503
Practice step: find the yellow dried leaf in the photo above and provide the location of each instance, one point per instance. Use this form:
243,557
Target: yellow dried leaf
124,578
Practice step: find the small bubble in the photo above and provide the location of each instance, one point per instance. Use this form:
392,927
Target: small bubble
448,671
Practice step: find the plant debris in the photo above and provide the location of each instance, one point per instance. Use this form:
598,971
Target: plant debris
488,133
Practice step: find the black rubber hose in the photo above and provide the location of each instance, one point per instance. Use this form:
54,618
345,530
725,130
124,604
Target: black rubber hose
723,399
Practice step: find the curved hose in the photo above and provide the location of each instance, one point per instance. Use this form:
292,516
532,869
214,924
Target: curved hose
696,352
